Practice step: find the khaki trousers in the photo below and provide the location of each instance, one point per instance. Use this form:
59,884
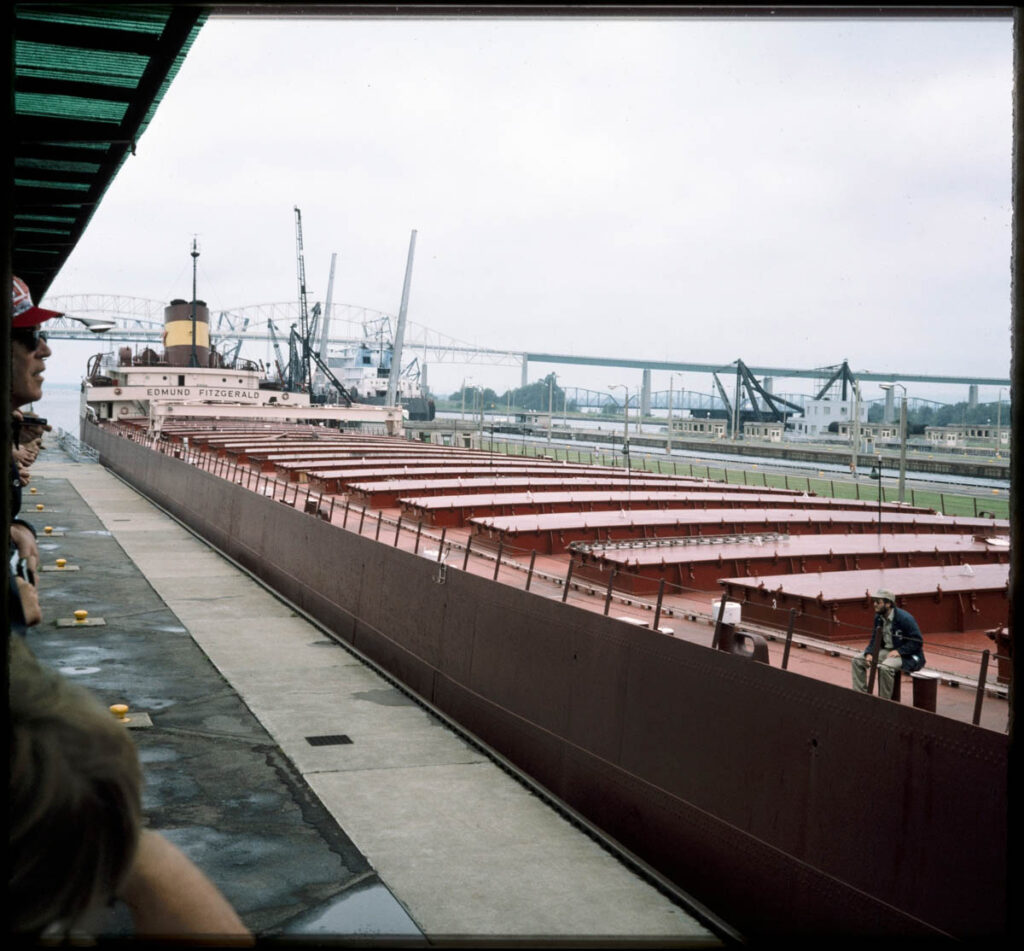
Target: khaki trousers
888,663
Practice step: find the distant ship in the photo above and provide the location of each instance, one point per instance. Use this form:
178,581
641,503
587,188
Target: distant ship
364,369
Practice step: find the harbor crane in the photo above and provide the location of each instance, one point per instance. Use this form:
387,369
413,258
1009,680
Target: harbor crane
278,357
299,340
776,406
300,264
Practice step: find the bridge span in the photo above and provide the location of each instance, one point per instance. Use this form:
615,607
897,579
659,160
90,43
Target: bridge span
140,321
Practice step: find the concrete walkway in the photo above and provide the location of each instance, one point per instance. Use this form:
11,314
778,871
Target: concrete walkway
416,833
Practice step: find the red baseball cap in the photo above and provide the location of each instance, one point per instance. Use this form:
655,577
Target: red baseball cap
23,312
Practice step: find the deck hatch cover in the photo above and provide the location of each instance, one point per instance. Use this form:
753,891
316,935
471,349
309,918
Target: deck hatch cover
331,739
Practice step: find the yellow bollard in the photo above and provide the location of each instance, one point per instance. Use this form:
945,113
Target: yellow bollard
39,506
33,490
61,562
81,615
120,710
48,530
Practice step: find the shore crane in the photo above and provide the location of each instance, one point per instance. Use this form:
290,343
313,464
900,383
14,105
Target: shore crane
301,337
279,357
307,376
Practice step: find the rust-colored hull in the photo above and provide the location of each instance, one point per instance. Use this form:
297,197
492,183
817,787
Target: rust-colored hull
783,803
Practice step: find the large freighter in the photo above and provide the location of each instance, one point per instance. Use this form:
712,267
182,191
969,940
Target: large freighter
735,762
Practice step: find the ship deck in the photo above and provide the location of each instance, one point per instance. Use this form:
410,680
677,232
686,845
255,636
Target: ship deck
380,499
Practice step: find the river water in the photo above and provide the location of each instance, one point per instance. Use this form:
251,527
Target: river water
59,406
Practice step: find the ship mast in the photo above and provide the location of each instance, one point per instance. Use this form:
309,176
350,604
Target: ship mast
193,360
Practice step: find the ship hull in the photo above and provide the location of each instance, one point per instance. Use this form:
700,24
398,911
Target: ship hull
782,803
419,408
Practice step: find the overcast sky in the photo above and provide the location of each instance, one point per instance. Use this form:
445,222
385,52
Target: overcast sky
784,192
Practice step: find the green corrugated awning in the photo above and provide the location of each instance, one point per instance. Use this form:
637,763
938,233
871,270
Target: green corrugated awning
87,82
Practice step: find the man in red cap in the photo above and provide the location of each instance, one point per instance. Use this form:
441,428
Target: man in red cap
29,351
28,345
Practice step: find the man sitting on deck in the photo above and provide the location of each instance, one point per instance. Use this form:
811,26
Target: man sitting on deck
899,643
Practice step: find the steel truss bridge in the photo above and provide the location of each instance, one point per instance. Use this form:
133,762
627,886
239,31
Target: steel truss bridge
141,320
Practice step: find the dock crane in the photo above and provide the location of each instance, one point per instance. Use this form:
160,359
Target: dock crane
776,406
278,357
300,339
303,332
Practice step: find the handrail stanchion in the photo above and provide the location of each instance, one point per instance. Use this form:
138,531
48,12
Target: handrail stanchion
718,622
398,530
465,559
789,638
657,609
568,581
440,544
608,592
380,519
362,518
980,695
874,667
529,574
419,532
497,560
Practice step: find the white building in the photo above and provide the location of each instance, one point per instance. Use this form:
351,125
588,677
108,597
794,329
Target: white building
768,430
959,436
820,414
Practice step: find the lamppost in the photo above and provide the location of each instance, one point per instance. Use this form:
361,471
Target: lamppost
903,435
625,435
671,398
551,394
876,473
855,428
999,422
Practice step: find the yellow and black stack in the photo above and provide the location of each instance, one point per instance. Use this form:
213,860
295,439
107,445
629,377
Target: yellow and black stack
178,334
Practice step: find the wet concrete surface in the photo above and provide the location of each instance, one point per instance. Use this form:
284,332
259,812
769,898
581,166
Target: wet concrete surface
405,834
216,783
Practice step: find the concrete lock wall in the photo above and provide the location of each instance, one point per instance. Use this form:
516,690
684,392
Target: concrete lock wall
768,795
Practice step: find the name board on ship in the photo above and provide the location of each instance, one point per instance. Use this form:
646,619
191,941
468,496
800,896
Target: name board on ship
201,393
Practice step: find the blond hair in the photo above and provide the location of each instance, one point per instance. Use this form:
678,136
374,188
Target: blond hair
75,798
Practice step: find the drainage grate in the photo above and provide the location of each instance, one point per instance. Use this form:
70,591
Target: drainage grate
333,739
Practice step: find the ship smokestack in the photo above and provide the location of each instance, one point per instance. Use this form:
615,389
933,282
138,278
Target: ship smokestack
178,333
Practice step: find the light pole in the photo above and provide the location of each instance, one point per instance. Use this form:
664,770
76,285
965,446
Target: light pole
999,422
671,398
551,394
855,428
625,433
465,380
876,473
903,436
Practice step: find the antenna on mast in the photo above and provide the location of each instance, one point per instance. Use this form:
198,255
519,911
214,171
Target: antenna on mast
193,360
